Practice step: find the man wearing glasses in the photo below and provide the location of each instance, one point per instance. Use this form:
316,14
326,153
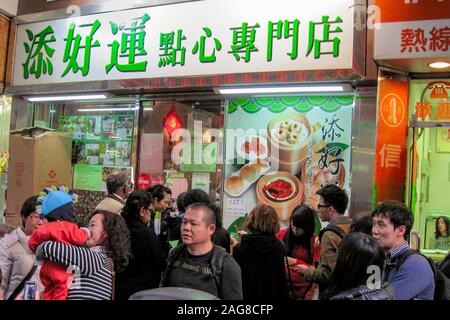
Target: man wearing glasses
331,208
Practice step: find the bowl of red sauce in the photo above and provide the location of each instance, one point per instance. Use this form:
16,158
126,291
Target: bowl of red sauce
281,190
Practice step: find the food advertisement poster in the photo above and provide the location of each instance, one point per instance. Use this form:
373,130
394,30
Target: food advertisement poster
280,151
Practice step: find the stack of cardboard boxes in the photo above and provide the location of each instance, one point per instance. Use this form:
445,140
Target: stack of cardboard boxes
39,158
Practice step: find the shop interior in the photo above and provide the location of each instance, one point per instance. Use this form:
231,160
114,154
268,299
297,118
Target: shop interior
138,136
429,172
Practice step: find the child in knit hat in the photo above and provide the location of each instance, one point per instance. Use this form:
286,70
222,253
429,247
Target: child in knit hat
57,208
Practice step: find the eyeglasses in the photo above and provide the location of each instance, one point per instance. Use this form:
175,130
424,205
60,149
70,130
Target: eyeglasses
35,217
323,206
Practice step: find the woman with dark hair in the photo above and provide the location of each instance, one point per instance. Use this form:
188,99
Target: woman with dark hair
16,259
363,224
107,250
442,227
360,258
161,203
442,234
221,237
261,257
302,248
162,197
147,262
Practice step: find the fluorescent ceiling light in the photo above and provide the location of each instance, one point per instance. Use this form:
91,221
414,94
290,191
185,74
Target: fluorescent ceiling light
66,97
112,109
439,65
282,89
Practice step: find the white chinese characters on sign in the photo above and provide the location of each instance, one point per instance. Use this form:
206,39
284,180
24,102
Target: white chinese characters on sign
390,156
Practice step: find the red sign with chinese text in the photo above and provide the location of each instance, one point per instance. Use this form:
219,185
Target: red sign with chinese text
435,103
390,157
413,10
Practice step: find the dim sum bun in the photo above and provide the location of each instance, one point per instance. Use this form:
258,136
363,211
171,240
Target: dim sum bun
234,184
249,173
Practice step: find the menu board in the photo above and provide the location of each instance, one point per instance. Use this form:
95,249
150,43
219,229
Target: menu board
98,142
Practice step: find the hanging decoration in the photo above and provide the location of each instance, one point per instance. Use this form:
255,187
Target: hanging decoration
172,122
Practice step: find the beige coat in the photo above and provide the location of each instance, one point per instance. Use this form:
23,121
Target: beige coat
110,204
328,254
16,260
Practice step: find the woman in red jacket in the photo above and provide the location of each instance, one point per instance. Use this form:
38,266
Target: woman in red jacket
302,248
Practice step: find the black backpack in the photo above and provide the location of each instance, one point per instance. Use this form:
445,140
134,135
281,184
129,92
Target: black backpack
216,265
441,282
341,233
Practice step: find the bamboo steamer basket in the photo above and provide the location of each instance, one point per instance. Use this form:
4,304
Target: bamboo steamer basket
288,157
283,208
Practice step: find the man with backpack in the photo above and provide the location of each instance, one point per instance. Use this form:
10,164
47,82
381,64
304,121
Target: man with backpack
332,205
407,271
198,263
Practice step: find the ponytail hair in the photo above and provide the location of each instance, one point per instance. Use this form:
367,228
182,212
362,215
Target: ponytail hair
137,200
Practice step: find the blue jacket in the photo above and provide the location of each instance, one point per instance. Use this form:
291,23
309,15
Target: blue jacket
413,280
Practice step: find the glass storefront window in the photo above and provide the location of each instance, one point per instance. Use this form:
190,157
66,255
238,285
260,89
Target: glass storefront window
104,140
429,163
5,115
169,129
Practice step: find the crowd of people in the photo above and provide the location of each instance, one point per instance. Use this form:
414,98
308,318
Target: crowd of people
136,241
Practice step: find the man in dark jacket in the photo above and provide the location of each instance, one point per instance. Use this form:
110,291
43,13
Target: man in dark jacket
198,263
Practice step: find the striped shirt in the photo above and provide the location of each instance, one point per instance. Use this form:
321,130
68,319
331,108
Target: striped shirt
91,269
398,249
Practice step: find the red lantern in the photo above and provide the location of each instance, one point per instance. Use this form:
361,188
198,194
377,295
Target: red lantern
172,122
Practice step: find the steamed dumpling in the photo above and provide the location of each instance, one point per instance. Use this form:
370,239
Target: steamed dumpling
292,138
285,125
282,134
295,128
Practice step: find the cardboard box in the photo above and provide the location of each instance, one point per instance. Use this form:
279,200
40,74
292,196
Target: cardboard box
39,158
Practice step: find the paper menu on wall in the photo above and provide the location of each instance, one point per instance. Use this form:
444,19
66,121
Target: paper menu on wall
123,153
92,153
201,181
109,127
78,127
93,127
107,153
65,124
235,207
124,127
